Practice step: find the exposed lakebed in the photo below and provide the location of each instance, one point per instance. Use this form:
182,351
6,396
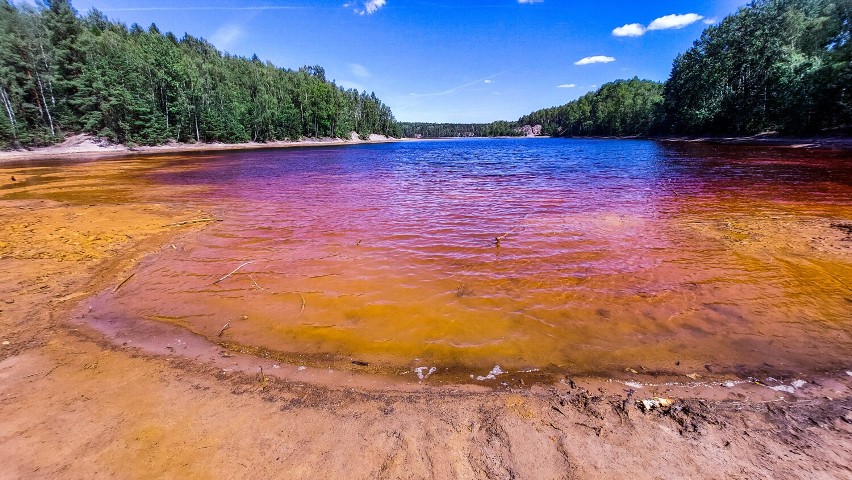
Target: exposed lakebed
444,259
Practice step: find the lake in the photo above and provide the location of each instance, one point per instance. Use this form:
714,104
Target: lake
540,256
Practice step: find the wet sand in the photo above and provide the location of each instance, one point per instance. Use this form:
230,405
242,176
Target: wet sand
75,403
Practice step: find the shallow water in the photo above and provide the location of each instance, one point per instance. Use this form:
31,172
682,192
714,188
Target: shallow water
612,255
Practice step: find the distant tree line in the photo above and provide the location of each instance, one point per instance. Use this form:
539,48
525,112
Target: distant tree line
445,130
61,73
774,65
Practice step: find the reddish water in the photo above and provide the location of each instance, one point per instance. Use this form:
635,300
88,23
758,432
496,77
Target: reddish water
613,255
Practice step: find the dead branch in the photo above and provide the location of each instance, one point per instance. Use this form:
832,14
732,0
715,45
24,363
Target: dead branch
225,327
123,282
232,272
325,275
258,286
303,304
187,222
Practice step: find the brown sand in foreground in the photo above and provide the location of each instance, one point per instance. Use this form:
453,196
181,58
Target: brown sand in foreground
73,405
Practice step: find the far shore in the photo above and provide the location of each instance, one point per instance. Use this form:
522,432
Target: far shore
79,147
87,146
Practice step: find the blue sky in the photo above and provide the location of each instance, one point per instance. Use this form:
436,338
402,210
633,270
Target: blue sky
445,60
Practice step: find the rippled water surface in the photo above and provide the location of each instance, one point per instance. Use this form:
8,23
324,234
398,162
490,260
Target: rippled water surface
582,256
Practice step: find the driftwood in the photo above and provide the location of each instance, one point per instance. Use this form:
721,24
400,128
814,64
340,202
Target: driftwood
258,286
225,327
232,272
187,222
303,304
123,282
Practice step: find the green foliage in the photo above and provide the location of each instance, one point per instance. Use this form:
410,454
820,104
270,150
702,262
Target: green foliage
619,108
775,65
781,65
60,73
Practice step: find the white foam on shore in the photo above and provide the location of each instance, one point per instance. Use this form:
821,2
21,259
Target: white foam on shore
492,374
420,372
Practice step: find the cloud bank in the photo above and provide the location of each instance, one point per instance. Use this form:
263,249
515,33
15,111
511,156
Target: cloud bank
566,85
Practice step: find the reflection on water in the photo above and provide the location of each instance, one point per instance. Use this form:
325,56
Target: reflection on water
611,255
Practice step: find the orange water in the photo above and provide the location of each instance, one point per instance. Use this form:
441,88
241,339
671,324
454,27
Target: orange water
613,255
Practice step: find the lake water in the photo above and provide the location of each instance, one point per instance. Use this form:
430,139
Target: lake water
542,256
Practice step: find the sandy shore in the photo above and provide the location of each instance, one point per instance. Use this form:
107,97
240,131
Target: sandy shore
88,147
77,404
836,143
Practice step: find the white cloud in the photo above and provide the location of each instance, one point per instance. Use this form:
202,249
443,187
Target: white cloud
529,1
710,21
566,85
373,5
367,7
594,59
225,37
359,70
674,21
629,30
455,89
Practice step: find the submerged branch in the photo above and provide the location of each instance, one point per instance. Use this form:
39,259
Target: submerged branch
123,282
233,272
187,222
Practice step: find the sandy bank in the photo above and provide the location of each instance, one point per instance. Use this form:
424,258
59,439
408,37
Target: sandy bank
88,147
74,404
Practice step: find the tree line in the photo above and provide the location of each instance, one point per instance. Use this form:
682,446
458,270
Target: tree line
444,130
63,73
774,65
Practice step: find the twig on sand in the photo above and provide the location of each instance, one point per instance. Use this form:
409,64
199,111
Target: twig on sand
187,222
258,286
123,282
233,272
225,327
303,304
325,275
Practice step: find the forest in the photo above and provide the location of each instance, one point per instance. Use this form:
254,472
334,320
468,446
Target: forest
62,73
774,66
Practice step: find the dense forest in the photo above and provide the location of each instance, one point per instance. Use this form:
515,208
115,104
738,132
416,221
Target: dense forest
783,65
61,73
775,65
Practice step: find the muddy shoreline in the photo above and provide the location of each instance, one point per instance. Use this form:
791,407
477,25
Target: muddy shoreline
76,404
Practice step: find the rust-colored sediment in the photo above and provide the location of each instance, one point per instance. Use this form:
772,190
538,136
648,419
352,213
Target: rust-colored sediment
76,405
